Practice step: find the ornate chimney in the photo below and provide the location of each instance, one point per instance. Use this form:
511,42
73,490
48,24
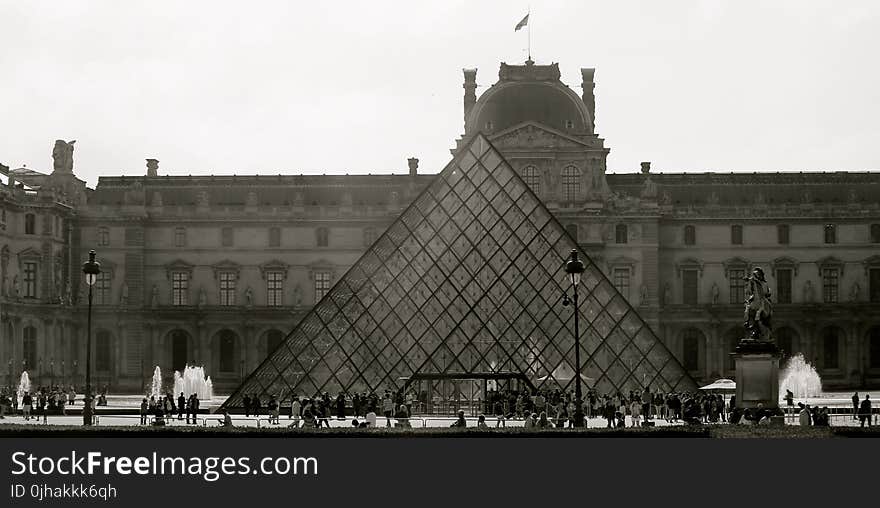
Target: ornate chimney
470,90
413,166
646,168
589,98
152,167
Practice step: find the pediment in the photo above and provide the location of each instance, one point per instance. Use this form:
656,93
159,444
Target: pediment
784,262
274,265
29,254
226,266
178,265
871,262
830,262
622,261
689,264
535,135
735,263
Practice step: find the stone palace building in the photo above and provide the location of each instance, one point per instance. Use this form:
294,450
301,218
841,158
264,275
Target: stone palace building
216,270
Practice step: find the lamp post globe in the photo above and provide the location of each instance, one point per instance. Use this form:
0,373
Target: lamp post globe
574,267
91,269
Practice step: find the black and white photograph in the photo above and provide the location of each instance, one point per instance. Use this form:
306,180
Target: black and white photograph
403,220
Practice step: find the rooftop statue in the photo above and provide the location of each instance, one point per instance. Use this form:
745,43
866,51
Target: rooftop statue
758,309
63,156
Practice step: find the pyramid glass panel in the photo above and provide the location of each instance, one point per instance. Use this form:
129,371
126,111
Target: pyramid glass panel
468,281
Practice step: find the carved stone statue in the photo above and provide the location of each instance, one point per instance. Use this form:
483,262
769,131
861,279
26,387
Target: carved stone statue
252,199
248,297
5,287
666,199
758,309
714,294
643,295
203,297
667,294
62,155
297,296
68,293
855,292
154,297
649,189
16,288
809,293
123,295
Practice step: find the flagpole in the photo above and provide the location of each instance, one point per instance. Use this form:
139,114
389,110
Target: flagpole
529,27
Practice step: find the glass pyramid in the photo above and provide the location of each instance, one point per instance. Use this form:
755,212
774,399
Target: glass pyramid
469,279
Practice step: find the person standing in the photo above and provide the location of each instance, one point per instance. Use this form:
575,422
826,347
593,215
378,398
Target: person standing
26,402
387,408
247,405
865,411
145,406
295,411
789,400
181,406
195,408
340,406
855,401
255,405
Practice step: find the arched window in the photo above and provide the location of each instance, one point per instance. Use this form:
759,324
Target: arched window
736,234
620,233
874,347
532,178
29,347
731,340
690,235
179,349
322,237
691,347
830,233
831,342
274,338
227,351
788,341
571,183
103,351
572,230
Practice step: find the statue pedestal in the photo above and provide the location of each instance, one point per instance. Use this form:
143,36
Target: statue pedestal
757,374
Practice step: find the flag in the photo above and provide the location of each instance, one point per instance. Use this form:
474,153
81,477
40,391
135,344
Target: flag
524,22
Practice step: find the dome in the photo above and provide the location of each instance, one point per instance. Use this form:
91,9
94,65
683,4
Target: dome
526,94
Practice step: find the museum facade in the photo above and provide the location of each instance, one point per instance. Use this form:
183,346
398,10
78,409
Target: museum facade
217,270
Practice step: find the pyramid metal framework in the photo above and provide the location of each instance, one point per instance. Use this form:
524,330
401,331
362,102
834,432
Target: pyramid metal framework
468,279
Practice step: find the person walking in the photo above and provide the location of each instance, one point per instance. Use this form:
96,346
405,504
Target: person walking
855,401
865,411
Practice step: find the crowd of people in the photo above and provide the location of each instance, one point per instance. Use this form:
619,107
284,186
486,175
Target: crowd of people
164,407
41,402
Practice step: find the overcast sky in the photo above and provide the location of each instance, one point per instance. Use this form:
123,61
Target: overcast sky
339,87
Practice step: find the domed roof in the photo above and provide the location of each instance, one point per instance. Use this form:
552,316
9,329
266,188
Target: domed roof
529,93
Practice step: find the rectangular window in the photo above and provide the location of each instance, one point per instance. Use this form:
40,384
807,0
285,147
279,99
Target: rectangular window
180,237
737,286
179,288
275,289
874,285
322,237
29,347
227,288
226,237
322,285
30,224
690,235
736,234
102,289
30,280
829,285
103,237
783,286
830,233
689,289
621,281
782,234
274,237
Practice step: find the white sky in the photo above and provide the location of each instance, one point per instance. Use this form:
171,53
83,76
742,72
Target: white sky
338,87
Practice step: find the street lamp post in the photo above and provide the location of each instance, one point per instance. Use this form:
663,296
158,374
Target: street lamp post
574,267
91,269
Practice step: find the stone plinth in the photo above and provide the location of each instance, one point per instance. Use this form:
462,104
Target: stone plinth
757,374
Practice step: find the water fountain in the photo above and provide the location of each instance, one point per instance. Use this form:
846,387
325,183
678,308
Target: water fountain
24,385
193,380
801,378
156,388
